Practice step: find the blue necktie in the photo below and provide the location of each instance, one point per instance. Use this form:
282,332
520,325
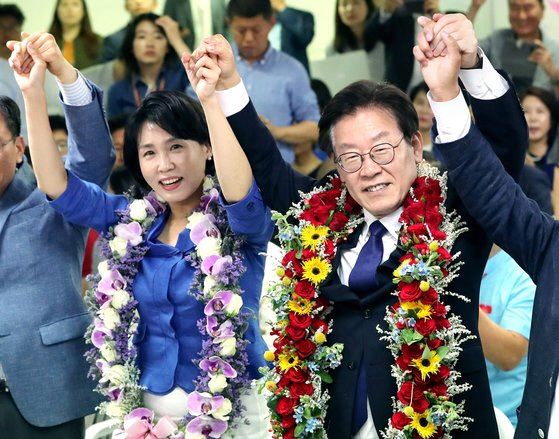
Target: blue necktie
361,280
362,276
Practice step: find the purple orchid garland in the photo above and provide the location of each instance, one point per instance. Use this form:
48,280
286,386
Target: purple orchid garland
223,359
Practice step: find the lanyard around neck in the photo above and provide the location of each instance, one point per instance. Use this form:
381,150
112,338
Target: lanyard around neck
137,100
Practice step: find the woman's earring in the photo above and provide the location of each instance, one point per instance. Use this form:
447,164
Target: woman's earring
210,158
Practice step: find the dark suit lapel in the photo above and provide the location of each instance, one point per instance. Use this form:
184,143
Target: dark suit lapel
383,279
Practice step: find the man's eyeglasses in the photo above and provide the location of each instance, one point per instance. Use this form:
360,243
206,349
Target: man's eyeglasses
382,154
6,143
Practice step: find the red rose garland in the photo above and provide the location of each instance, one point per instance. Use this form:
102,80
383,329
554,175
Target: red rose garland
301,359
422,338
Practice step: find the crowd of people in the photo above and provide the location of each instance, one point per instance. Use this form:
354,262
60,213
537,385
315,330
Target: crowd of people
405,302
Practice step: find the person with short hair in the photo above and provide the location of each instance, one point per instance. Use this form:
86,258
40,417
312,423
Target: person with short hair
372,128
44,389
524,51
176,305
292,114
11,22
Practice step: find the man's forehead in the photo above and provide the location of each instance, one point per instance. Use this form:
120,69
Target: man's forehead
238,21
8,22
4,126
521,3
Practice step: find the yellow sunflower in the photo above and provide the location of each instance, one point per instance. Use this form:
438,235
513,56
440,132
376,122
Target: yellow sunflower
288,360
421,424
422,310
312,236
300,306
427,365
315,270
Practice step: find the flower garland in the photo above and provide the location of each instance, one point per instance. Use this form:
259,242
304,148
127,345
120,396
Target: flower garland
222,360
301,360
324,217
422,337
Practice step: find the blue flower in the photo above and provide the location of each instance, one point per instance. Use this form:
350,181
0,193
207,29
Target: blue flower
311,426
285,235
422,269
298,416
406,269
411,322
313,367
438,418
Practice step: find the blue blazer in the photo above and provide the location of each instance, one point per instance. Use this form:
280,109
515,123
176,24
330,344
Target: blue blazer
531,237
42,314
356,319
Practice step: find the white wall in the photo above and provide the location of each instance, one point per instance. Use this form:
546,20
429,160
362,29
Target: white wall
109,15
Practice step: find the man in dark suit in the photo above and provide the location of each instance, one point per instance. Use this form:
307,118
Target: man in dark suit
297,30
531,237
358,118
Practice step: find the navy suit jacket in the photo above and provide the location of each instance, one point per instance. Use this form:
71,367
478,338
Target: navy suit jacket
531,237
356,319
398,35
297,32
42,314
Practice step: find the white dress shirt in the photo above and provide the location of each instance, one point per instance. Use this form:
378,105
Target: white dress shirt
453,122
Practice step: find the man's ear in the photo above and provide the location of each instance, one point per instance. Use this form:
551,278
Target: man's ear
20,147
417,145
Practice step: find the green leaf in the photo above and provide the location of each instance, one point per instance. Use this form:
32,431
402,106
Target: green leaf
299,429
325,377
426,353
442,351
272,403
410,336
412,313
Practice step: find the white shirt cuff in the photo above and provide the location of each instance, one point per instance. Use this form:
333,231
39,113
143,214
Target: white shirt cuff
453,118
485,83
77,93
233,99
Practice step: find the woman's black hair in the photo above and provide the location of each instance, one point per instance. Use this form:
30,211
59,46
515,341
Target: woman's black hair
416,89
344,39
127,48
172,111
92,44
548,99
